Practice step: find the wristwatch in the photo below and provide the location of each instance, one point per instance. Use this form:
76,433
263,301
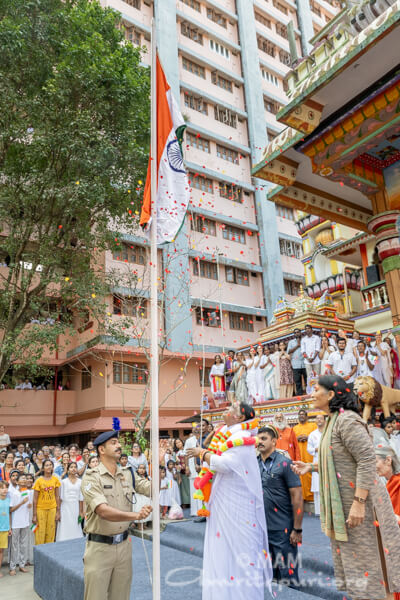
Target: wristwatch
360,500
297,530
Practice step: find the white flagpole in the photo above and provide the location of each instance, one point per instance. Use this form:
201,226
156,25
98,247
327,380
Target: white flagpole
155,450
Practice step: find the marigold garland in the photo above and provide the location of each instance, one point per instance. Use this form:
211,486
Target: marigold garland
220,443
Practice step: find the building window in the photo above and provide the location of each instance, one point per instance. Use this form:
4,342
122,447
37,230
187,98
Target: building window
266,46
193,4
86,378
196,141
201,183
219,49
269,77
272,106
130,373
284,212
241,322
263,20
227,154
132,35
130,254
216,17
224,115
284,57
280,6
315,9
203,225
289,248
192,33
234,234
196,103
230,191
194,68
281,30
204,376
129,306
235,275
206,269
208,317
292,288
134,3
223,83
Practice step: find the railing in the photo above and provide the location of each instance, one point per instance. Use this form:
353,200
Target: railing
375,295
335,283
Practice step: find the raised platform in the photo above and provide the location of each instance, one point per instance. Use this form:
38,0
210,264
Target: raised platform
59,567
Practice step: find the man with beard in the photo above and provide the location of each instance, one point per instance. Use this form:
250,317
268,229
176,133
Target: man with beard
236,559
287,440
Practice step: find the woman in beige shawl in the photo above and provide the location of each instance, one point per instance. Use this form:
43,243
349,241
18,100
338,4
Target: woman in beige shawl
356,512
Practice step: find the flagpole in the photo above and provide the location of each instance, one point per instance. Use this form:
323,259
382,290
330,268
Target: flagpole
155,482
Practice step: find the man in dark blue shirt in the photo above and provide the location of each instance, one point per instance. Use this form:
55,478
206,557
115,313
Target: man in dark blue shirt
283,504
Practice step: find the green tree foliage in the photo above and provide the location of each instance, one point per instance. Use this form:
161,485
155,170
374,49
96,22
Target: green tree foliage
74,135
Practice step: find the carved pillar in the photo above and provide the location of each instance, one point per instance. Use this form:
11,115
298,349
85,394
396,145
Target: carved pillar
383,226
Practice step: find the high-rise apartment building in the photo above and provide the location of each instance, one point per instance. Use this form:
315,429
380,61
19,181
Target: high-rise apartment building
226,61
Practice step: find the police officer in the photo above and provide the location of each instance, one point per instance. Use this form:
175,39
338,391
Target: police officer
109,496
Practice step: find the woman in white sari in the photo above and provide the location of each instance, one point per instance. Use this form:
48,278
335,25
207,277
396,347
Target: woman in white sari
268,368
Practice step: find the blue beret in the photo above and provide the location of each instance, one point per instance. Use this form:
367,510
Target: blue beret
104,437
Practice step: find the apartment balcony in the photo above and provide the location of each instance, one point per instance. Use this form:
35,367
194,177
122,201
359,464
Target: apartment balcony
335,283
308,222
375,296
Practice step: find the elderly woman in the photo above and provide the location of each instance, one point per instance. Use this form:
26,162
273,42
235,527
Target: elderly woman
356,512
388,466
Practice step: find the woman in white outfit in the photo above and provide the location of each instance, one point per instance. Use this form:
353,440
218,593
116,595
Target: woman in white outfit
252,362
324,353
71,498
313,442
383,369
260,380
268,368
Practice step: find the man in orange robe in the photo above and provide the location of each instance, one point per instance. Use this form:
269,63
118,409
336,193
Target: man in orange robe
302,431
287,438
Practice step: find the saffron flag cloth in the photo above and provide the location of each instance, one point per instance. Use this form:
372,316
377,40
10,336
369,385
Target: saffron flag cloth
172,196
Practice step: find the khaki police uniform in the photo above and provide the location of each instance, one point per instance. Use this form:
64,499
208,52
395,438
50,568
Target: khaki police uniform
108,566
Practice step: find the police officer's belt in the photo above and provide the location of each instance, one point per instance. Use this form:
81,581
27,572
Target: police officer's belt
108,539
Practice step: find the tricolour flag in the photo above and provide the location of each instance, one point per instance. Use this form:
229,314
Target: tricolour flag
33,527
172,196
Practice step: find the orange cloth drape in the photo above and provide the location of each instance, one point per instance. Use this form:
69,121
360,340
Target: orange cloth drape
305,429
288,441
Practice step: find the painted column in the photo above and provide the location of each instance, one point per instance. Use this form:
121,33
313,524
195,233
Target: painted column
178,317
384,227
304,17
265,210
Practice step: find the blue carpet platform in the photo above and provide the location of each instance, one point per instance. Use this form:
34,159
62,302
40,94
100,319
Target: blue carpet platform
58,571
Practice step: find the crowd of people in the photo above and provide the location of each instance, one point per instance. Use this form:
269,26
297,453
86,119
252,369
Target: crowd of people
334,459
287,369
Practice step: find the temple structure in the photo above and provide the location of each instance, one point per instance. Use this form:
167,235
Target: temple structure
339,156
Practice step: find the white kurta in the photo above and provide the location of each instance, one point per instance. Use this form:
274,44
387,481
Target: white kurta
235,565
313,442
195,505
70,494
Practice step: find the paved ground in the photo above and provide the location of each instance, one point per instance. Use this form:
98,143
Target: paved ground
19,587
182,543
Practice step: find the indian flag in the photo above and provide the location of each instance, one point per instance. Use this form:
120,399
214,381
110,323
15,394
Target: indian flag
33,527
172,184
